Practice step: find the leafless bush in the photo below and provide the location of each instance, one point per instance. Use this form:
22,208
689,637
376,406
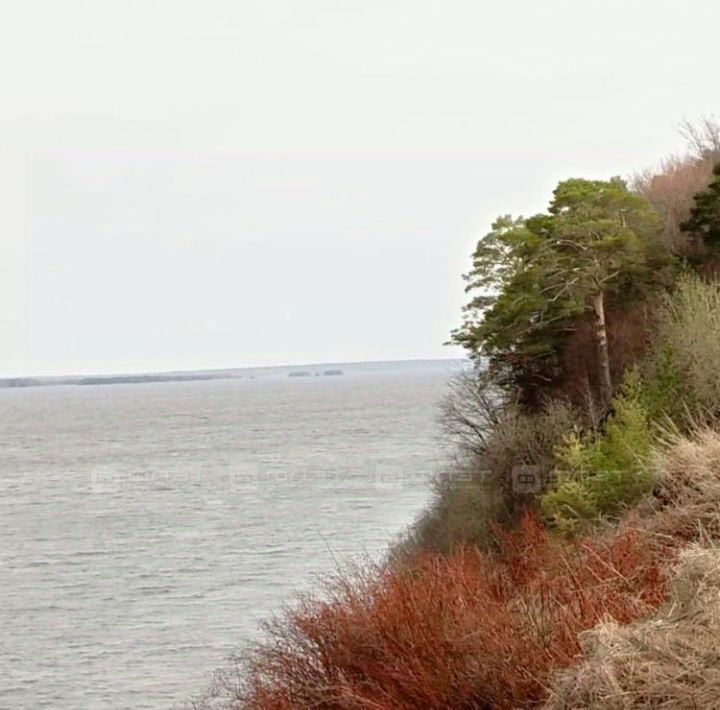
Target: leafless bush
470,630
522,439
481,490
472,410
671,187
671,191
703,137
464,510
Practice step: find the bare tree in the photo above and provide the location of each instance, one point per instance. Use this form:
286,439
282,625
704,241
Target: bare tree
703,137
671,187
472,410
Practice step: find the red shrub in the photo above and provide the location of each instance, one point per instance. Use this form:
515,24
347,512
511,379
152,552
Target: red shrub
469,631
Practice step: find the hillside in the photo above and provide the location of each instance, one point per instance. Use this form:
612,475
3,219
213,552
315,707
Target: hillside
570,558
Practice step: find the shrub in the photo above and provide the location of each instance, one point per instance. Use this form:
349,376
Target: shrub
471,630
689,332
471,410
479,492
621,473
671,191
463,511
663,390
602,474
521,440
670,660
569,505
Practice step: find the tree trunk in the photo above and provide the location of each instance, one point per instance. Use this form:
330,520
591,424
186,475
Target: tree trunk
602,346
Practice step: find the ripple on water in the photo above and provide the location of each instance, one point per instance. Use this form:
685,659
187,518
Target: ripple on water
145,530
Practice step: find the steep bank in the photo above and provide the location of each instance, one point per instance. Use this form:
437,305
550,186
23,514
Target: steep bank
559,560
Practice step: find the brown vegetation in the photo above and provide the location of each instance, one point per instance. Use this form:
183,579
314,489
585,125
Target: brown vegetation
584,623
480,605
466,631
478,492
670,660
629,331
671,188
689,488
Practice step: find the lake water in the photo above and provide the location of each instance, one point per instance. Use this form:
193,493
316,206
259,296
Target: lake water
145,530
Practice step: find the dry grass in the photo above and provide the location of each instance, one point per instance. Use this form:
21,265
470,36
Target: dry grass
671,660
543,622
689,488
467,631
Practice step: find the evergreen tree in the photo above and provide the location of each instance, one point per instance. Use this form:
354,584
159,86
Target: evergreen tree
704,220
600,239
533,277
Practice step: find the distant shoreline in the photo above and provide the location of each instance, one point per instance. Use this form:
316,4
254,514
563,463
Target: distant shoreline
227,374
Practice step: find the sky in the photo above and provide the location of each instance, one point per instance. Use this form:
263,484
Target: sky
223,183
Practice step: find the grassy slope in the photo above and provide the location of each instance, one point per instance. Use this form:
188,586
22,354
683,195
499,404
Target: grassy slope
602,621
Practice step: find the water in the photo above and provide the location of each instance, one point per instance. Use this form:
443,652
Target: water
146,529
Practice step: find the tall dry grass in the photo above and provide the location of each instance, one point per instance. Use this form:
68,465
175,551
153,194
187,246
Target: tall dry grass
689,488
671,660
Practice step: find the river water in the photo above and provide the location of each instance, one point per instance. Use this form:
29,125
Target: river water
146,529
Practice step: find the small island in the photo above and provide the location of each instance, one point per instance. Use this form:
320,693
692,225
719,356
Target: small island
324,373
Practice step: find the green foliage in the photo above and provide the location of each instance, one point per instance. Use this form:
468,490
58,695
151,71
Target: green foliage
679,381
510,318
568,506
531,278
664,389
600,238
704,220
601,474
621,478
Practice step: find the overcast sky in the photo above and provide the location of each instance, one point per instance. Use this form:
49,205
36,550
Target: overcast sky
212,183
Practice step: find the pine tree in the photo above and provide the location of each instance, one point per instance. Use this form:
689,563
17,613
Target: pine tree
533,277
704,220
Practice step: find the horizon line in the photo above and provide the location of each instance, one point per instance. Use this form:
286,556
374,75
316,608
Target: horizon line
211,370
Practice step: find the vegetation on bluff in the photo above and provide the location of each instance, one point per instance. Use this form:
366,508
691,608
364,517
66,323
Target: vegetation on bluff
569,559
532,278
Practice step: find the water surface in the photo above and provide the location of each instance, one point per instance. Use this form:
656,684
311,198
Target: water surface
146,529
